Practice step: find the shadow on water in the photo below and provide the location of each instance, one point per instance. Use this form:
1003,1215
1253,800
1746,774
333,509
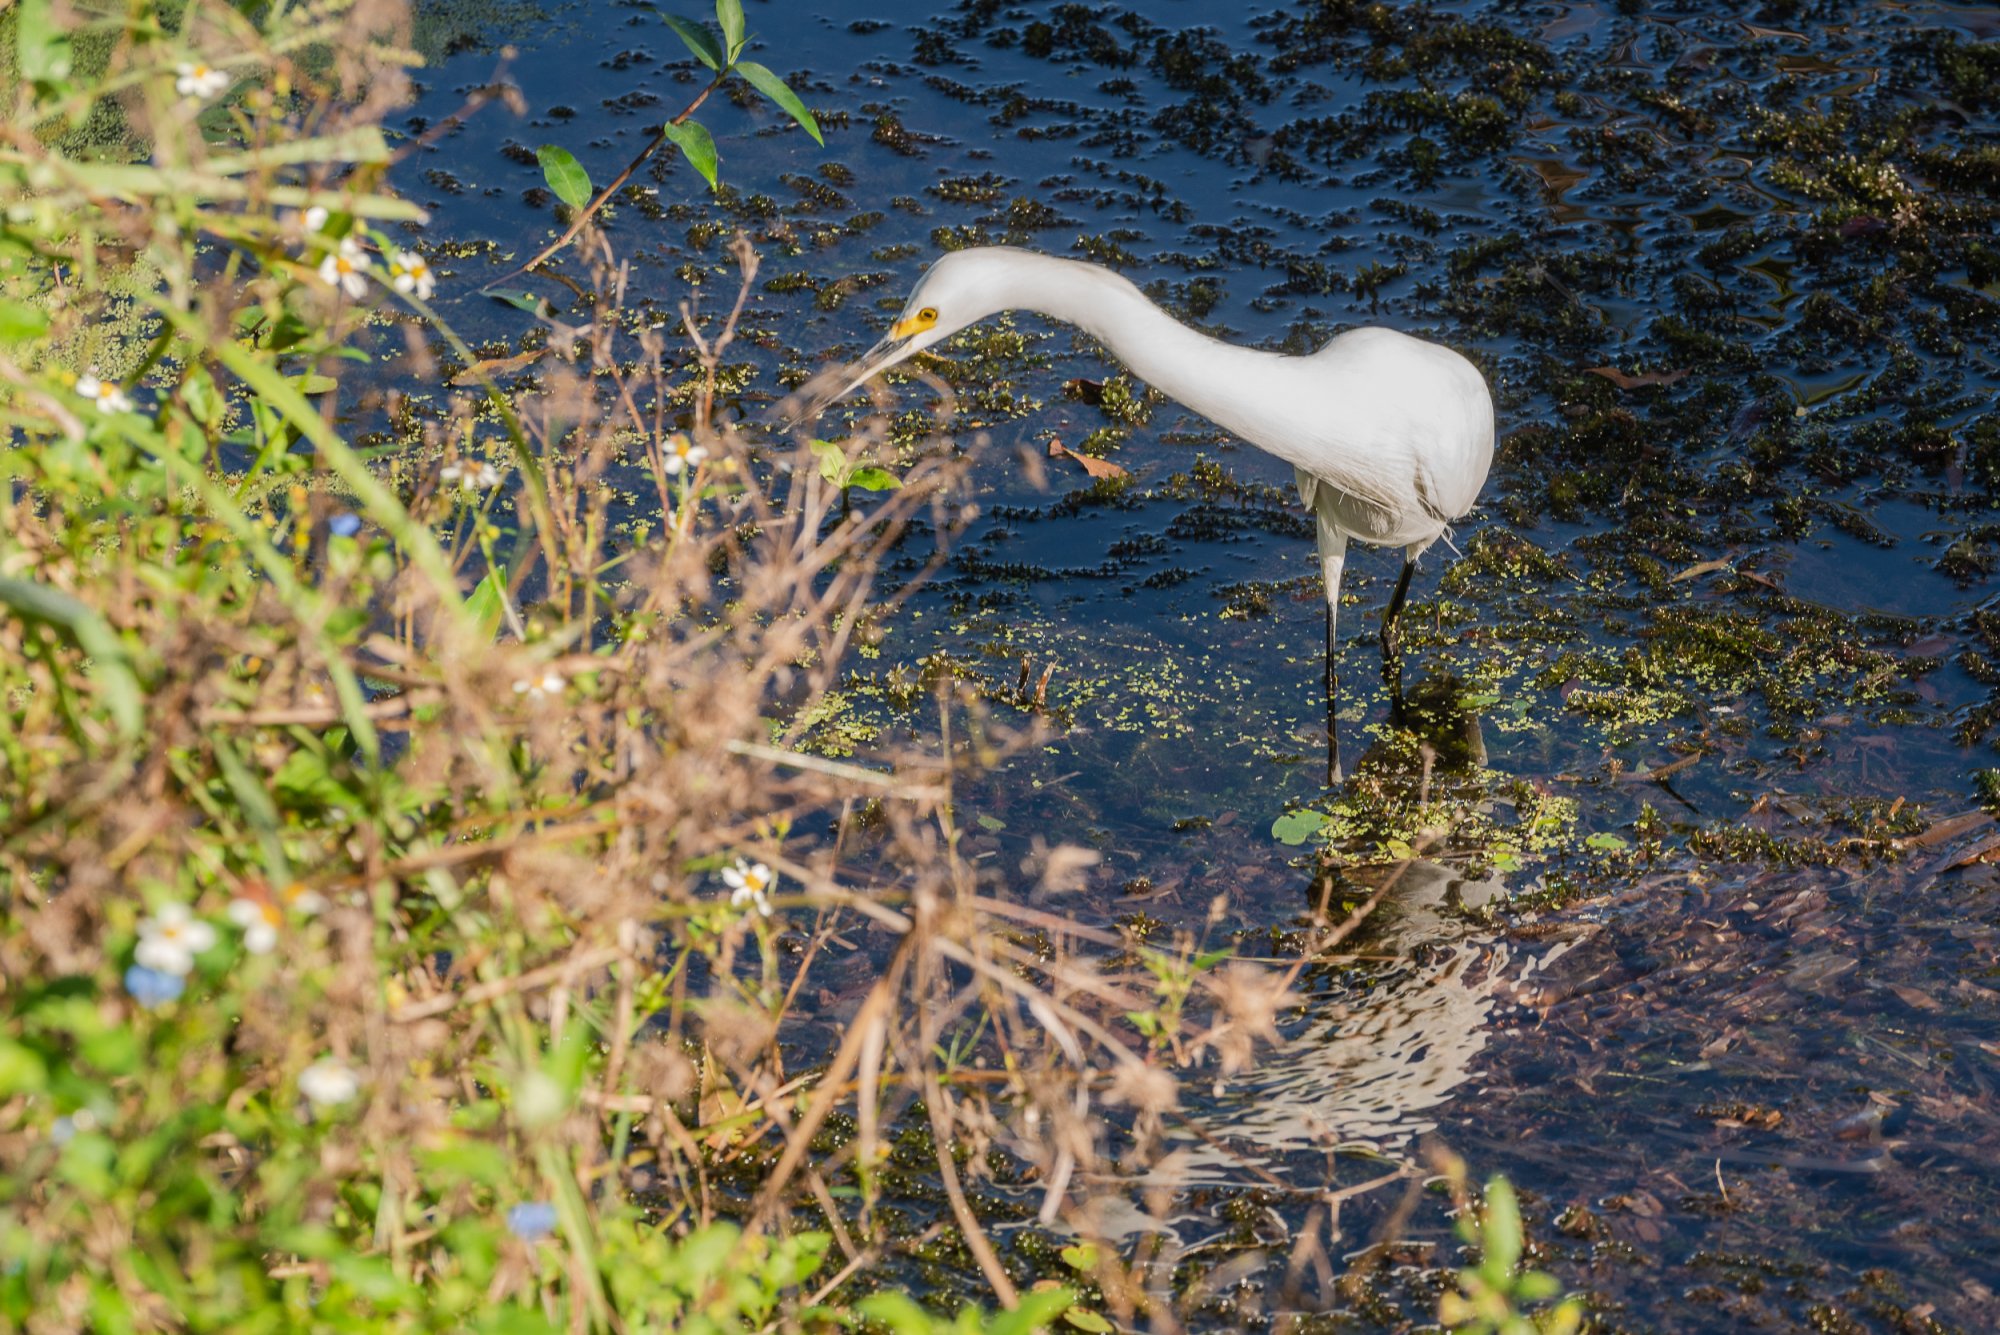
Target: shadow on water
1705,956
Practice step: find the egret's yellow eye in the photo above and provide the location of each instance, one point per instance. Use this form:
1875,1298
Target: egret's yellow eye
915,324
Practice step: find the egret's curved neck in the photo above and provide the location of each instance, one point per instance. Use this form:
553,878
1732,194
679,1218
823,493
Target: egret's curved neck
1224,383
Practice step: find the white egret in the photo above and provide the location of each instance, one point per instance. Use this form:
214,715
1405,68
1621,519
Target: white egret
1389,436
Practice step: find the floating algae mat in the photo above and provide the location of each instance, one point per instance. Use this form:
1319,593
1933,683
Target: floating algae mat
1700,714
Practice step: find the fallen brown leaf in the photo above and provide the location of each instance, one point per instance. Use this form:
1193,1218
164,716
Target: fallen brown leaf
1097,468
1948,828
1983,851
1702,568
1914,998
1659,772
497,366
1623,381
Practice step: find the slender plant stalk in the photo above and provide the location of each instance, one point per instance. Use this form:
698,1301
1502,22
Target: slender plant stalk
603,196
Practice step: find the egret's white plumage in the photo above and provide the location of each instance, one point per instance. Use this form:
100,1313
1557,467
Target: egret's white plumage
1389,437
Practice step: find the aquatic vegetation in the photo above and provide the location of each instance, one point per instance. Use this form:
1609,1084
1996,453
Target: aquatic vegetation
1491,1295
365,814
1722,635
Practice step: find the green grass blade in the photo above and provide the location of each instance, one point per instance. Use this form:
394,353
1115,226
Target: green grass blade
92,634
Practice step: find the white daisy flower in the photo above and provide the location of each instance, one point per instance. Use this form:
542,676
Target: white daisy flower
300,898
749,884
106,394
346,268
260,921
473,475
545,687
198,81
408,272
328,1082
171,938
683,454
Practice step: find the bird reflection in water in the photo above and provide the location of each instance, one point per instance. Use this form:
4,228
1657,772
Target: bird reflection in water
1388,1049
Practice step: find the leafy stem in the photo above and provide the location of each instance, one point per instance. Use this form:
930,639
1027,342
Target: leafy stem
721,56
589,210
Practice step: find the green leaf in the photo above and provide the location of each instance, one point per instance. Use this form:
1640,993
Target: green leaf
373,1278
771,86
1605,843
1565,1320
520,300
86,1164
305,779
114,1051
198,391
797,1258
874,479
315,384
1080,1256
1295,827
1502,1230
362,143
991,823
111,666
898,1311
19,320
22,1070
698,39
695,146
468,1161
41,48
564,174
479,1116
729,13
833,465
486,604
517,1321
707,1252
314,1240
1037,1309
1083,1319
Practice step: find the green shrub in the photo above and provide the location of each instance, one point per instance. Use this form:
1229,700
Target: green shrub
358,836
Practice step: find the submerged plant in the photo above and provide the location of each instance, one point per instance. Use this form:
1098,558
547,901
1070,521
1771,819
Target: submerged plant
1496,1296
500,1054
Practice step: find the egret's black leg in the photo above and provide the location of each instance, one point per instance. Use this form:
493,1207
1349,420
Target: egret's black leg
1332,706
1392,630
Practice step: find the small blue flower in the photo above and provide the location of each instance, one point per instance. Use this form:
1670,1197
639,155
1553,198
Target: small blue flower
344,525
153,987
64,1129
532,1221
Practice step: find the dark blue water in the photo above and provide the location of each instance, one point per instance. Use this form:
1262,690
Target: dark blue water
1779,563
